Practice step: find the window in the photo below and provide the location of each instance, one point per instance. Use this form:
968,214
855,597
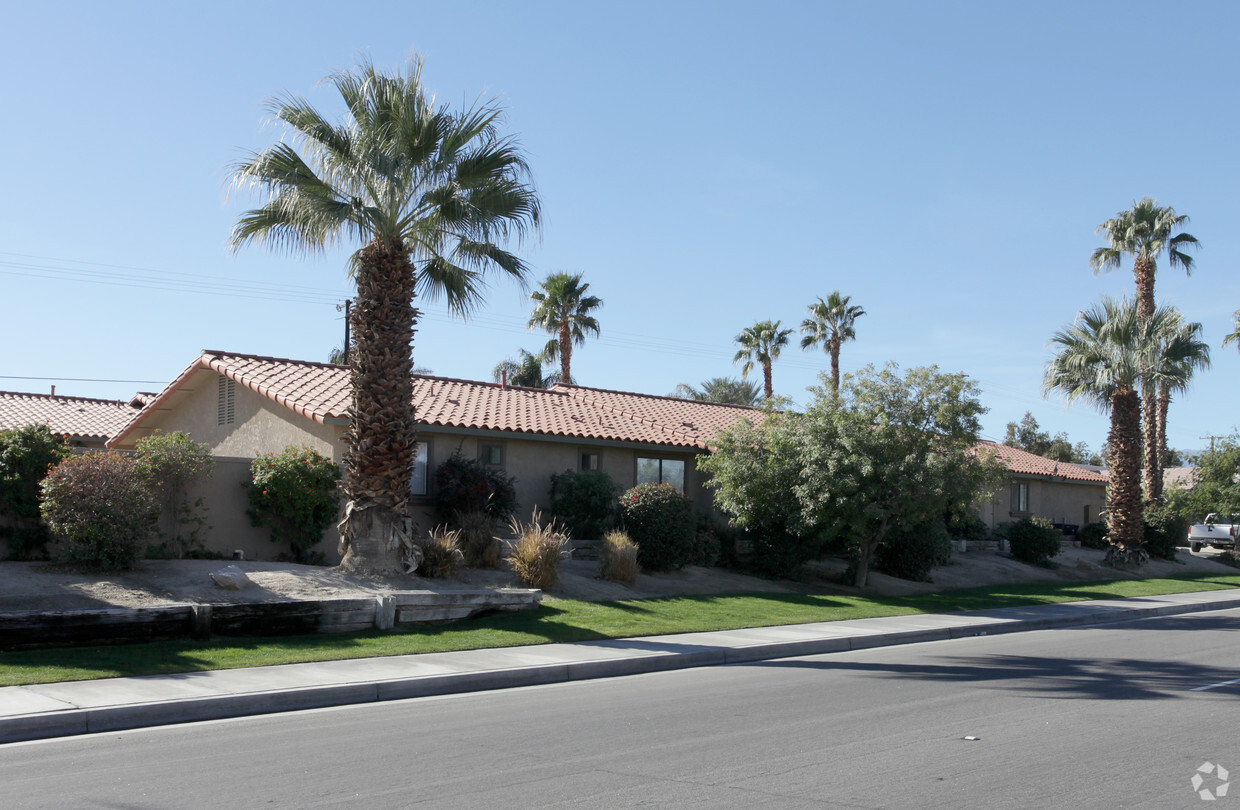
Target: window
417,481
226,401
491,455
661,471
590,461
1020,497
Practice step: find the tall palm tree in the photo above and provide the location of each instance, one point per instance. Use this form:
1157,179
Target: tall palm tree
526,370
1234,337
1103,358
1145,232
429,194
830,325
563,309
1180,352
724,390
760,345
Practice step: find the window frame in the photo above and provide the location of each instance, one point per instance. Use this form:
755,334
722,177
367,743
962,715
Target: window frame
582,465
1020,498
684,475
419,447
484,449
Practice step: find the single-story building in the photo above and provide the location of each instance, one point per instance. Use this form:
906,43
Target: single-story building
243,405
85,423
1066,494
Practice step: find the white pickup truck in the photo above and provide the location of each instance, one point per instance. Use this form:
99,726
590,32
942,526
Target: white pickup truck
1218,531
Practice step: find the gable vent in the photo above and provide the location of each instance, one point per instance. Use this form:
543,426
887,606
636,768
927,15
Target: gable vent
226,401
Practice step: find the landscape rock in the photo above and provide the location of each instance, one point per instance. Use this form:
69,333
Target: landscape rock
230,577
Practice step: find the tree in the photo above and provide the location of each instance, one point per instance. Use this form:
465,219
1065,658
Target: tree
27,454
1145,232
169,464
1027,435
1180,352
1104,358
830,325
526,371
563,309
1234,336
760,345
724,390
429,193
1216,482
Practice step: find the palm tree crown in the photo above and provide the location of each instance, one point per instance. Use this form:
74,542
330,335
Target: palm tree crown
830,325
563,309
1180,352
526,370
761,344
1234,336
724,390
427,193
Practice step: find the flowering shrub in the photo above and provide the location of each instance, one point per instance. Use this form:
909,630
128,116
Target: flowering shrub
297,495
27,454
661,521
462,485
99,505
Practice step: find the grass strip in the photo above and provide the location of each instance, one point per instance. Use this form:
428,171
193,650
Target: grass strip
560,621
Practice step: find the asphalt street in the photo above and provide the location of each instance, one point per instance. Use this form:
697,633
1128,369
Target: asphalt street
1121,715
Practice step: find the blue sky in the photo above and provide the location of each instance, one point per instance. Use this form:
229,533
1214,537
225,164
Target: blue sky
704,164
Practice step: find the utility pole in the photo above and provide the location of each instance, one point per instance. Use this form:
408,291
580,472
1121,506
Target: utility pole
1211,438
346,306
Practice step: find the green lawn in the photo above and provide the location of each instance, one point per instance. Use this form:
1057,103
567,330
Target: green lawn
558,621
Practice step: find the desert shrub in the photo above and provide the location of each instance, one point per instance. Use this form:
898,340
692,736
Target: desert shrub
780,552
1094,535
441,553
27,454
1164,530
477,539
617,558
100,507
660,519
910,553
966,526
296,494
170,463
536,553
706,547
462,485
1033,540
584,503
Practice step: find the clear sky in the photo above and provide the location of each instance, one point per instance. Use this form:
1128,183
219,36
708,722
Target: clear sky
705,164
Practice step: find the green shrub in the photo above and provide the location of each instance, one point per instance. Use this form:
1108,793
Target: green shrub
477,539
535,555
462,485
1033,540
1165,529
706,547
441,553
910,553
297,495
967,526
779,553
584,503
617,558
660,519
100,507
27,454
1094,535
170,463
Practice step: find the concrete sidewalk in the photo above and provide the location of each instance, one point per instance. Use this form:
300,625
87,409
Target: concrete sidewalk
82,707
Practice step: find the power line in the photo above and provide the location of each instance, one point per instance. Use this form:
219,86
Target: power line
82,379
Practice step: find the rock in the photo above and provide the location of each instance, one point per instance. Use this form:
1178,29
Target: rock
230,577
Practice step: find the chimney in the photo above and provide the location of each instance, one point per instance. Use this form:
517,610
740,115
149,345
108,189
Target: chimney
503,379
53,390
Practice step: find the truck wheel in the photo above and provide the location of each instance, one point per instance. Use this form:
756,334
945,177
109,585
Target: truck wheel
1194,546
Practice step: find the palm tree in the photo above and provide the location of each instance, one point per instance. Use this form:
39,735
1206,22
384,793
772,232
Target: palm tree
1144,232
429,194
525,371
563,309
1235,331
1180,352
1103,358
761,344
724,390
830,325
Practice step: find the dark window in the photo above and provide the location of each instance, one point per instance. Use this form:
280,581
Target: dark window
1020,497
590,461
661,471
418,480
491,455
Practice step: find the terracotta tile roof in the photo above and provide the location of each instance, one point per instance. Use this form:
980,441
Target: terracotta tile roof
76,417
1025,463
320,391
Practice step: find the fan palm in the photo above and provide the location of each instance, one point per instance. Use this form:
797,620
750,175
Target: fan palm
1180,352
761,344
1103,358
830,325
563,309
1145,232
1235,331
724,390
526,370
429,194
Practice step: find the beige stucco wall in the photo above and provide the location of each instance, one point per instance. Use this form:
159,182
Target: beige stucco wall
1057,501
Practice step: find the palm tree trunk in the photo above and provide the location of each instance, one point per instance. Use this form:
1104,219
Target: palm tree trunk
1164,404
566,354
766,380
1143,274
1124,506
379,444
835,364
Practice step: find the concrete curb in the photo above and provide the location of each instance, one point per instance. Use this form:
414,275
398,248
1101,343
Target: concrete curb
278,688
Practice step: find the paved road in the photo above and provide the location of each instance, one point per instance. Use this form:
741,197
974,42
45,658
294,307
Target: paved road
1084,717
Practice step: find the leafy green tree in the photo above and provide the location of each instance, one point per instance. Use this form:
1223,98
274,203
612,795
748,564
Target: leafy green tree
760,345
563,309
1028,435
429,193
27,454
1215,482
1145,232
724,390
526,370
170,463
830,325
